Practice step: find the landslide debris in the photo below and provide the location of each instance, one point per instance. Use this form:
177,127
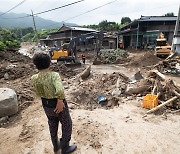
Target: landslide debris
147,59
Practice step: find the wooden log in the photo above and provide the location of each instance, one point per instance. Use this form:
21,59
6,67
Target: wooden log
176,93
74,103
175,111
86,73
173,85
159,74
163,104
153,90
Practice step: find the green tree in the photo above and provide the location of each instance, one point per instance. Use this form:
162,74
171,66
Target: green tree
20,32
28,37
169,14
44,33
8,40
105,26
125,20
91,26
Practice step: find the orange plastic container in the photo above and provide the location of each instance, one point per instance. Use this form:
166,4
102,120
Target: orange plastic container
150,101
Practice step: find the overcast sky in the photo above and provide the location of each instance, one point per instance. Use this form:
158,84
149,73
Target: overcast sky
113,12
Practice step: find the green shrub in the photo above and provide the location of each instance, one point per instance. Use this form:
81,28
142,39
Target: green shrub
2,46
113,55
12,44
121,53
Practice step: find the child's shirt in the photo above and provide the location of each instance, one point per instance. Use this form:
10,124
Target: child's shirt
48,85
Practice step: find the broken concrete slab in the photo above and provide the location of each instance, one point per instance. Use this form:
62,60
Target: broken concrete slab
137,90
137,76
8,102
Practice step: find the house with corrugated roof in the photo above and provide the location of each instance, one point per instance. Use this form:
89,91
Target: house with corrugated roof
66,33
143,32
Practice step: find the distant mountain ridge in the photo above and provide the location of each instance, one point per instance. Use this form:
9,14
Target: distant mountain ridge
41,23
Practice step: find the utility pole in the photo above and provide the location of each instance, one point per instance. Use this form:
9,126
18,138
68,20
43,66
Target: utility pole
176,30
34,25
117,41
137,38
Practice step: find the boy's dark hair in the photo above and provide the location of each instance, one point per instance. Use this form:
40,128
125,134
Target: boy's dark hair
41,60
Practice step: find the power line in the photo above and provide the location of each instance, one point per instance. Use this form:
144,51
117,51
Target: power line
59,7
48,10
13,8
86,12
145,10
90,10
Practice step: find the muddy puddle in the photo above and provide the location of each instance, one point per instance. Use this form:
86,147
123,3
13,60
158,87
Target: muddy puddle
129,72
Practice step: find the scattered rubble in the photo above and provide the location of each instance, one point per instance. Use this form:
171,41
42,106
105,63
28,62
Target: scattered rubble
116,86
171,66
14,65
94,131
15,73
63,70
85,93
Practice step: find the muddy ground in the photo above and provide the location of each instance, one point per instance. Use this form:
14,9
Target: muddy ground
117,127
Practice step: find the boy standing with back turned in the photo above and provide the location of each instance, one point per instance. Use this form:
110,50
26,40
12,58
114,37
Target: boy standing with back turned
48,86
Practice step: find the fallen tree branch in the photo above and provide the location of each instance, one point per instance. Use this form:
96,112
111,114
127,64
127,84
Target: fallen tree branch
74,103
163,104
176,93
175,111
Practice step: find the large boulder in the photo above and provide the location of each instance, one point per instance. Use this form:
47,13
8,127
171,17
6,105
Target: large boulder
8,102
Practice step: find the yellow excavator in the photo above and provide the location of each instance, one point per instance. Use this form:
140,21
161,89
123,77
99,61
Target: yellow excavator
162,49
68,51
57,53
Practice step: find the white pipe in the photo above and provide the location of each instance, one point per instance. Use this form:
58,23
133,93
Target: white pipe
175,30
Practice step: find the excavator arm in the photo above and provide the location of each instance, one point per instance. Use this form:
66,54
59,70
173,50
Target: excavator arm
98,36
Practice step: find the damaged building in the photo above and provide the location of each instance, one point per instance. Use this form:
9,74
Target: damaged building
143,32
110,40
66,33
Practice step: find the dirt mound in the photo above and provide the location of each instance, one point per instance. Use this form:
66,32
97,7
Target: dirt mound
87,93
121,60
14,65
15,73
13,56
63,70
147,59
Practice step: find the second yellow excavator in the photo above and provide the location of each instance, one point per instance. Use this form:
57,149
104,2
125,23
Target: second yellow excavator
162,47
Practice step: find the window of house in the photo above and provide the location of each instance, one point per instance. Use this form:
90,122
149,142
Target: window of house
105,43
